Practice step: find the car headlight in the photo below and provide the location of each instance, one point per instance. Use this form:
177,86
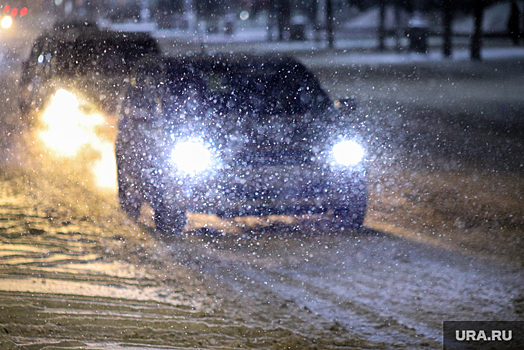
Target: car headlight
191,157
348,153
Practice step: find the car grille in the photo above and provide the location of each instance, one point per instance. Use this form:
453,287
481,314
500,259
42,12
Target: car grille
282,157
247,192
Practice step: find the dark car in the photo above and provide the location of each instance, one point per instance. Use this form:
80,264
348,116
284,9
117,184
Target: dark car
80,59
73,24
236,136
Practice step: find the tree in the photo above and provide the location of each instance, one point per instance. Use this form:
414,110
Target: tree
283,17
514,23
447,21
329,24
382,26
448,8
476,39
382,4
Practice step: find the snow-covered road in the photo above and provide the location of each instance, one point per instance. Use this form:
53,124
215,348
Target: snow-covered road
443,237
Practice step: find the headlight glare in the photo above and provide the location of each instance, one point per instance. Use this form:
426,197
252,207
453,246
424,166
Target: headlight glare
348,153
6,22
191,157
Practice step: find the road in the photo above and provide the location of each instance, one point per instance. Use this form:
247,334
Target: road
443,235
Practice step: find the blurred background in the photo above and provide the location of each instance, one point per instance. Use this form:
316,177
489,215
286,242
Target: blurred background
414,25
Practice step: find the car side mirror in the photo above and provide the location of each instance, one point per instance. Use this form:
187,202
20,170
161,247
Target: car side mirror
345,104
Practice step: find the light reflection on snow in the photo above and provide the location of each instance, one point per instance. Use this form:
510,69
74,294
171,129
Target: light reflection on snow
67,131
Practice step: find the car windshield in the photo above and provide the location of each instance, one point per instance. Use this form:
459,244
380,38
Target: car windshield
284,89
110,55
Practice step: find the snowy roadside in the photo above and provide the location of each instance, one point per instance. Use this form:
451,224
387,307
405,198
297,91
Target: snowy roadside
76,273
71,272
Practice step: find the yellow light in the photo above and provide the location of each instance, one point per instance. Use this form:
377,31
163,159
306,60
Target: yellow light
104,169
66,131
6,22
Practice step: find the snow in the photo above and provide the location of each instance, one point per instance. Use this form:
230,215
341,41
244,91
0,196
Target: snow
90,289
395,59
440,131
495,20
370,19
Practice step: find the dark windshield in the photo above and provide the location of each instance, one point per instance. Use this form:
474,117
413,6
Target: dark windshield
282,90
110,56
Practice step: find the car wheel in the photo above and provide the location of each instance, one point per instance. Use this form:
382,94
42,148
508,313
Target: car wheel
129,197
169,219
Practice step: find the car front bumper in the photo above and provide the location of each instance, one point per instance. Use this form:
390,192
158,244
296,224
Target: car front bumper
266,190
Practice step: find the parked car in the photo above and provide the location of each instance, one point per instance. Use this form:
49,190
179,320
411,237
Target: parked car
236,136
80,58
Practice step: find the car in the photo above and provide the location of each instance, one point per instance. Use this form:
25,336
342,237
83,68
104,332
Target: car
33,69
82,59
236,136
11,12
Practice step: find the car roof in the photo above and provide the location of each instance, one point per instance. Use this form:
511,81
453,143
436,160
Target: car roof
70,24
71,30
103,38
100,35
